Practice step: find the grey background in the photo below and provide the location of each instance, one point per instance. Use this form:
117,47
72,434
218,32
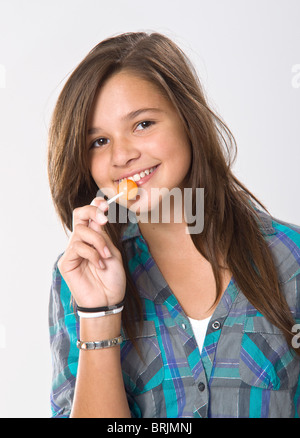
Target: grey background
248,58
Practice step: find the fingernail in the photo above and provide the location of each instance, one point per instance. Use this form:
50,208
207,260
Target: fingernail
107,252
102,265
101,219
103,206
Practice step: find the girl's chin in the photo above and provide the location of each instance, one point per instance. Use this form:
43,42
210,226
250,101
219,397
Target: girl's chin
142,208
148,211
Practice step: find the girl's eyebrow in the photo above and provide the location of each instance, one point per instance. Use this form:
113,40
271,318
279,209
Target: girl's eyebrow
129,116
136,113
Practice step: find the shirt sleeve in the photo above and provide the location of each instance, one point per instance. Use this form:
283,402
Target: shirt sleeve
64,329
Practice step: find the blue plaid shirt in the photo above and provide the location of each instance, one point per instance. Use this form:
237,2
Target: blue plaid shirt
245,369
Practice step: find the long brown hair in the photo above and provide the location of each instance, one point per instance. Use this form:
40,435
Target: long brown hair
231,224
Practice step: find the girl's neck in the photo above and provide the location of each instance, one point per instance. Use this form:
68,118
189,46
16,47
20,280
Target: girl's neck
164,236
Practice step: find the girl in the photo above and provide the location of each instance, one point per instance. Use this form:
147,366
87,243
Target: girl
147,319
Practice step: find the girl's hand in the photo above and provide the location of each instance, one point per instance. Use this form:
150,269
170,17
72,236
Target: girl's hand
92,266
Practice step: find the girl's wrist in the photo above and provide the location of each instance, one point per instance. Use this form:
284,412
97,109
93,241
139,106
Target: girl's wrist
97,329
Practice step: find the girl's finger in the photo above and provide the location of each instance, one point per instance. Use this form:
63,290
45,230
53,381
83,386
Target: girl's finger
93,238
83,215
84,251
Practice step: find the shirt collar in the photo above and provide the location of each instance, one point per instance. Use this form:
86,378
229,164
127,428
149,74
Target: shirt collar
265,223
130,231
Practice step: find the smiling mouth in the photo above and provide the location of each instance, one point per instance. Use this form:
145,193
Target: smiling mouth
139,176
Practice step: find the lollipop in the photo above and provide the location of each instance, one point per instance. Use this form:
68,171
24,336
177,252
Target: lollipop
127,189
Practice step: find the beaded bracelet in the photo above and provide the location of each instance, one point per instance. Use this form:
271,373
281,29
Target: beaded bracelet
97,345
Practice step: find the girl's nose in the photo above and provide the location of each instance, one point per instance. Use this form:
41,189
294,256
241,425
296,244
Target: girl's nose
123,153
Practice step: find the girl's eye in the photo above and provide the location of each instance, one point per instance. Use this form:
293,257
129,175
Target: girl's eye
99,142
144,125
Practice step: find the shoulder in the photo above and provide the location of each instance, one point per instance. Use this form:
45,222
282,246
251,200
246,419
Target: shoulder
290,230
283,239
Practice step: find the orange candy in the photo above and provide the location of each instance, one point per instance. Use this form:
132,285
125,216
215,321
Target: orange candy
129,189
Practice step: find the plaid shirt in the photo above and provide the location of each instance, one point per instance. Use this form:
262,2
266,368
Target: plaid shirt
245,369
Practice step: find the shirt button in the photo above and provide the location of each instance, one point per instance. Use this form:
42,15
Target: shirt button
216,325
201,386
183,325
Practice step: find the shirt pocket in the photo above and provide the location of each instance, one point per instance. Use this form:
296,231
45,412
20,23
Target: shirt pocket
266,361
142,370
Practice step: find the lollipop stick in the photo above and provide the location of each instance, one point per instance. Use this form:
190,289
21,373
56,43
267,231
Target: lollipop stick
115,197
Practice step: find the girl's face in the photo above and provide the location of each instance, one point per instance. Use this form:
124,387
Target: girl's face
135,131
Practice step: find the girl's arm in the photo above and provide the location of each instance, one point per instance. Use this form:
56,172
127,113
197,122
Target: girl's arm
99,390
92,268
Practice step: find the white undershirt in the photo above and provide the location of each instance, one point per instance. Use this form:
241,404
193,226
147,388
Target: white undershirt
199,328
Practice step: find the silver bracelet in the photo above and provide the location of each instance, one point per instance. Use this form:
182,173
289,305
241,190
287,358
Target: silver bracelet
97,345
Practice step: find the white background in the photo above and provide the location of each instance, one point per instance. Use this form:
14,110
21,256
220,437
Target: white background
247,54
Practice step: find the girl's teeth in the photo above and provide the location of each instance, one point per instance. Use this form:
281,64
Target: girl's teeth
138,176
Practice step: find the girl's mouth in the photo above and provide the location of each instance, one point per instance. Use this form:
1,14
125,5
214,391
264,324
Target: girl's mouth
142,177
